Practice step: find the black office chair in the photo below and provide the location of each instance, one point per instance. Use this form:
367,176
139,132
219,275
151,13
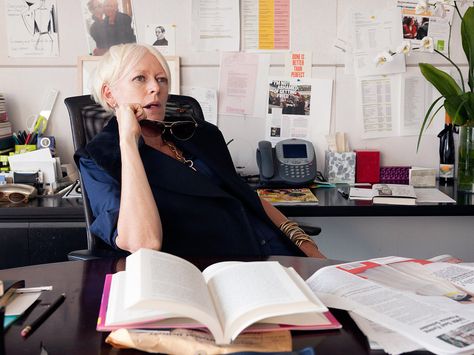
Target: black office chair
87,119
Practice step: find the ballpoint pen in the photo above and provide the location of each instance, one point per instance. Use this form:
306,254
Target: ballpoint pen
343,193
43,316
34,289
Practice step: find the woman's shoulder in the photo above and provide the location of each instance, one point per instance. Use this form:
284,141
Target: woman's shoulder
104,148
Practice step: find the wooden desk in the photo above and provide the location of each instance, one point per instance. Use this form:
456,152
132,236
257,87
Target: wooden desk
71,328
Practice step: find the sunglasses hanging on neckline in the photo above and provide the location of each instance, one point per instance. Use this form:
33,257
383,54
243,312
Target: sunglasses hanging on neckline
181,130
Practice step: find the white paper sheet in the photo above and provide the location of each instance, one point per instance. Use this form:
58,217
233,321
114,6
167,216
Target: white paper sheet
374,32
32,28
416,99
215,28
239,78
36,160
207,98
21,303
379,105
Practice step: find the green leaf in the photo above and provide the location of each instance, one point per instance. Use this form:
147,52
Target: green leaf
467,35
452,104
425,120
469,107
442,81
458,118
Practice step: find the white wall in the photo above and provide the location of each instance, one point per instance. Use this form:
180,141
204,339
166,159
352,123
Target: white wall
315,25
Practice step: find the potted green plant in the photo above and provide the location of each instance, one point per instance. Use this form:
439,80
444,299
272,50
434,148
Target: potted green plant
458,101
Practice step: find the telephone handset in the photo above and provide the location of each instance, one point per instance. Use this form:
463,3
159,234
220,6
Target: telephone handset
291,162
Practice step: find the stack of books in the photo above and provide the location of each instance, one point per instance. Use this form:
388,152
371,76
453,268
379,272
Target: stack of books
6,133
3,109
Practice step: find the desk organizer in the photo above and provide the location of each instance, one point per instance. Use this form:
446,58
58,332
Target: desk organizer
23,148
340,167
394,174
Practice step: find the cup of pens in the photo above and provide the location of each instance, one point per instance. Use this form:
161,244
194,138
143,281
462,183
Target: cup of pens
27,139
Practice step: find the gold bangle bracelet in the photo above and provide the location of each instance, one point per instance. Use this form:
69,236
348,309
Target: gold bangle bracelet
295,233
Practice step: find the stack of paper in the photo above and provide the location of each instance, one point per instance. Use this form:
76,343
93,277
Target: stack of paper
38,160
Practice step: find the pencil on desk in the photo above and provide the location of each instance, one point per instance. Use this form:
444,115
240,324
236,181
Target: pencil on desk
43,316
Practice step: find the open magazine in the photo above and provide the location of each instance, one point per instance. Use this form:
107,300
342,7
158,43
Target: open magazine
430,303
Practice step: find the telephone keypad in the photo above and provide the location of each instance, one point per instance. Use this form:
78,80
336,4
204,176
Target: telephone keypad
296,172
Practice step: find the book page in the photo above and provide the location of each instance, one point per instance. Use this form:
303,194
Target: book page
248,292
116,310
157,280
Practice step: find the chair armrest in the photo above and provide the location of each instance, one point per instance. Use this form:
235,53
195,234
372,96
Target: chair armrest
86,254
310,230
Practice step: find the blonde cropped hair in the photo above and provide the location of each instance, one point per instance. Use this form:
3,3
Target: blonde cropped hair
116,63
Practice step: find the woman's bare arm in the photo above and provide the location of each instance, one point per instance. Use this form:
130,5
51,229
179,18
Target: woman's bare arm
139,224
278,218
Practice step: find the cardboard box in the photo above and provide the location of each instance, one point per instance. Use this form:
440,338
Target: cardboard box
340,167
368,166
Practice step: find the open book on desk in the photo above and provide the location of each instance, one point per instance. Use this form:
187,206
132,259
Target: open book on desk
160,290
390,194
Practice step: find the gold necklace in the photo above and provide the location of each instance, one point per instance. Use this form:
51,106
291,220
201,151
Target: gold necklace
188,162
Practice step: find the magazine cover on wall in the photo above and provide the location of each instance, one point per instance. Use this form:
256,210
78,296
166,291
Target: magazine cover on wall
162,37
289,105
107,23
32,28
298,108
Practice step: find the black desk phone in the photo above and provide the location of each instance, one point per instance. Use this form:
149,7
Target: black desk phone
292,162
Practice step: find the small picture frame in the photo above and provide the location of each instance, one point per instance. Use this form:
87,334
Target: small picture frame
87,64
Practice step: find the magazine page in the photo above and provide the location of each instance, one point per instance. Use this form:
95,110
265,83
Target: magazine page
380,337
453,281
437,323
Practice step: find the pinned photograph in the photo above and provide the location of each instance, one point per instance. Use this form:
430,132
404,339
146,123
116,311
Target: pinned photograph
162,37
292,98
32,28
107,23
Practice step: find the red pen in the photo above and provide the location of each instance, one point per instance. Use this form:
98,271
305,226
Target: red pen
28,137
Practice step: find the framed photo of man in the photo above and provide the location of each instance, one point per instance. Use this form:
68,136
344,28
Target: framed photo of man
162,37
86,66
107,23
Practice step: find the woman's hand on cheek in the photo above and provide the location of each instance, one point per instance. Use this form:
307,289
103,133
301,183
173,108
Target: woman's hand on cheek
128,116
